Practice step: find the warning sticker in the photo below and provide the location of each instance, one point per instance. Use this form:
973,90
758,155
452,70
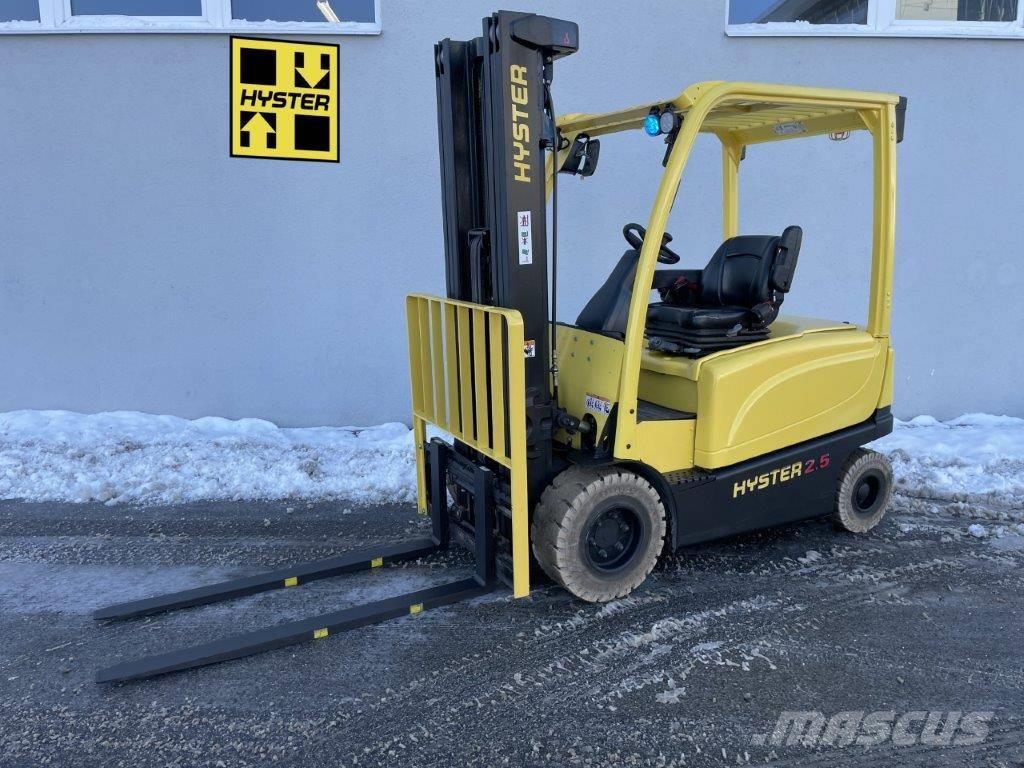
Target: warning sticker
525,219
599,405
284,99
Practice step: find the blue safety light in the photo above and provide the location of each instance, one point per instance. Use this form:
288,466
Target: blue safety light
652,124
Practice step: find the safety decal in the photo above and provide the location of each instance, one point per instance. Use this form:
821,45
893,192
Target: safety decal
284,99
525,219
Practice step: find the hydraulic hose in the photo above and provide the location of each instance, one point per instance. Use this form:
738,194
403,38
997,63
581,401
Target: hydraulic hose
549,103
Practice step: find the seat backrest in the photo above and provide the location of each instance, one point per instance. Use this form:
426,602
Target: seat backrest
781,276
608,309
737,274
746,270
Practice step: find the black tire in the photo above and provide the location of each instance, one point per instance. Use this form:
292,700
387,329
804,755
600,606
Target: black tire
864,491
598,532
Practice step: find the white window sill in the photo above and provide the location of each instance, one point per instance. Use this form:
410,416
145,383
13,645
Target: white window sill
108,24
983,31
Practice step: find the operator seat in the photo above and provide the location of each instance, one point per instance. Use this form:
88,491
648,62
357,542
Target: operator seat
732,301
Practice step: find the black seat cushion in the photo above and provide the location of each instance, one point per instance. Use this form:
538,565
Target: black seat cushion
696,318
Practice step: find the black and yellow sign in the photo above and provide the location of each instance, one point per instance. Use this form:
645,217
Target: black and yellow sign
284,99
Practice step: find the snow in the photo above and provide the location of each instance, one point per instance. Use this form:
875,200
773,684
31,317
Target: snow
146,459
812,556
129,457
976,457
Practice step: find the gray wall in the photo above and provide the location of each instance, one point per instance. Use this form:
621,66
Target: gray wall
142,268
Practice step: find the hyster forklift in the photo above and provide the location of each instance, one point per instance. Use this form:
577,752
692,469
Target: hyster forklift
583,451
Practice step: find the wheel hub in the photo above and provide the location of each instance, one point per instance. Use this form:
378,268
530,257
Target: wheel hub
867,493
612,538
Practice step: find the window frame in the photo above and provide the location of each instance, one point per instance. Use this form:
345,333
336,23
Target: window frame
55,17
882,22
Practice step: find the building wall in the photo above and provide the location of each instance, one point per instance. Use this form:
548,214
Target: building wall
143,268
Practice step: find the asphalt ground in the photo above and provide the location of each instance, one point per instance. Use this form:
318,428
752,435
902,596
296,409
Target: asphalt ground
695,668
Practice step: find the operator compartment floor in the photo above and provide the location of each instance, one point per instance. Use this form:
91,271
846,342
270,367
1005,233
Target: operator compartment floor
648,411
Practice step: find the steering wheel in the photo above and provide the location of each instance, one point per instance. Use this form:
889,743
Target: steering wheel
635,235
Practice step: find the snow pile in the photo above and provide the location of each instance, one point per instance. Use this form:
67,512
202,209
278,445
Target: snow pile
140,458
972,458
977,530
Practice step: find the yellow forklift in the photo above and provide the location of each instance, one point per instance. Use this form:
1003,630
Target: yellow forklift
583,451
642,426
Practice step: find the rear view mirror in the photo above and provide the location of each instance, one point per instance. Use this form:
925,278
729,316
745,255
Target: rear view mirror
582,157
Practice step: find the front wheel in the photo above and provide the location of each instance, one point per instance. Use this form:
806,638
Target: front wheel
865,487
598,532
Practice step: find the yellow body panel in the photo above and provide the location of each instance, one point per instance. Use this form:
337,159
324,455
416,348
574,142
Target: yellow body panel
885,400
667,445
589,366
772,396
809,378
668,389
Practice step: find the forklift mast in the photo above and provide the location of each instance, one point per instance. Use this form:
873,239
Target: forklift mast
494,125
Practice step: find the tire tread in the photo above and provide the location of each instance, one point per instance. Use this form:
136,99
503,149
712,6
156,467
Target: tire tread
857,462
567,499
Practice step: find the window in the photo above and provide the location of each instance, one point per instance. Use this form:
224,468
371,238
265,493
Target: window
810,11
19,10
277,16
132,7
956,10
359,11
911,18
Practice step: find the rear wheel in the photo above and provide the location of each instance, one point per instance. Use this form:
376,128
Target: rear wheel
865,487
598,532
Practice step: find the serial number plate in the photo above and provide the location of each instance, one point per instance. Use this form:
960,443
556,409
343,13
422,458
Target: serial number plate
595,404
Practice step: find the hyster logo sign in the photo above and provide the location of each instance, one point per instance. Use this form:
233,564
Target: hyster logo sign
284,99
